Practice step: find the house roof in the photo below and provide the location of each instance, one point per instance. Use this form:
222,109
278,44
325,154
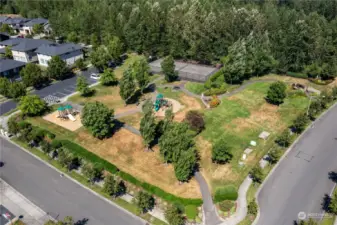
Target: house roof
8,64
28,44
35,21
57,49
12,41
16,20
3,18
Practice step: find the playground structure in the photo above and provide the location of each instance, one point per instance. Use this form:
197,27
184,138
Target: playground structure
67,112
161,103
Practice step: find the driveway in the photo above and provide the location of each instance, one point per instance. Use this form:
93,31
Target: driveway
59,89
56,195
301,180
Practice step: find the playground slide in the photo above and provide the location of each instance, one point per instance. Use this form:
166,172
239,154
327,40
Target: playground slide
71,117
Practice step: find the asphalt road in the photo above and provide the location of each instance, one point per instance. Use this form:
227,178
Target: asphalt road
301,181
59,89
59,196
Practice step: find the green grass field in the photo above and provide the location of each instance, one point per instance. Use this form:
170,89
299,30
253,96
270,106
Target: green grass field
240,119
196,88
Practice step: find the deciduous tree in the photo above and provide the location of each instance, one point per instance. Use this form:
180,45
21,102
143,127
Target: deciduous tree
32,76
144,201
140,70
32,105
168,68
98,119
82,86
127,85
108,77
57,68
174,216
186,164
99,57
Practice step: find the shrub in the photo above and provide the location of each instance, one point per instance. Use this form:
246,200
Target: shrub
215,91
144,201
252,208
275,155
228,192
195,120
276,93
226,205
284,139
221,152
215,80
174,216
300,122
215,101
191,211
257,174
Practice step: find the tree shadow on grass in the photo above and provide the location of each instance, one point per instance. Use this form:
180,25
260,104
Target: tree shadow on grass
117,126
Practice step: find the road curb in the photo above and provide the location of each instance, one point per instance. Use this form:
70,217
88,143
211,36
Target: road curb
77,182
284,156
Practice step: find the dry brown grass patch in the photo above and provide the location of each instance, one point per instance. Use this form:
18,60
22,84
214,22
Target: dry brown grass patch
190,103
267,116
126,151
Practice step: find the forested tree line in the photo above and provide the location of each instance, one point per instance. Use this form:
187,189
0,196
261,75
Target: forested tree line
256,35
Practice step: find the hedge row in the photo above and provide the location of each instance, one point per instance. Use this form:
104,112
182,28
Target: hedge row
297,75
86,155
91,157
215,91
228,192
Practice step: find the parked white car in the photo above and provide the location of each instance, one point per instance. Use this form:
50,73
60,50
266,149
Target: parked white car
95,76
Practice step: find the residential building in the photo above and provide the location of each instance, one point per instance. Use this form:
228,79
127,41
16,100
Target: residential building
16,23
10,42
4,36
25,50
3,19
27,27
10,68
68,52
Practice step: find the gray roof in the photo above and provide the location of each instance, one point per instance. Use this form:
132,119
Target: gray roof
3,18
36,21
8,64
12,41
16,20
57,49
28,44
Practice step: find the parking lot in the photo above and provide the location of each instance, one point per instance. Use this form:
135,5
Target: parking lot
59,90
6,215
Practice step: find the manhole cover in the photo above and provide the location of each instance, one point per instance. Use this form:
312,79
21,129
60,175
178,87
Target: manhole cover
304,156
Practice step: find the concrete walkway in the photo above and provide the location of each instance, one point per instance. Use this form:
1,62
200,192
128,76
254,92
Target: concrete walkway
241,210
210,215
21,206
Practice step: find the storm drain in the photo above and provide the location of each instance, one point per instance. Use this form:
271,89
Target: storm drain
304,156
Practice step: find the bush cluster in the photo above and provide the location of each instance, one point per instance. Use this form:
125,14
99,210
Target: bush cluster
226,205
215,101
